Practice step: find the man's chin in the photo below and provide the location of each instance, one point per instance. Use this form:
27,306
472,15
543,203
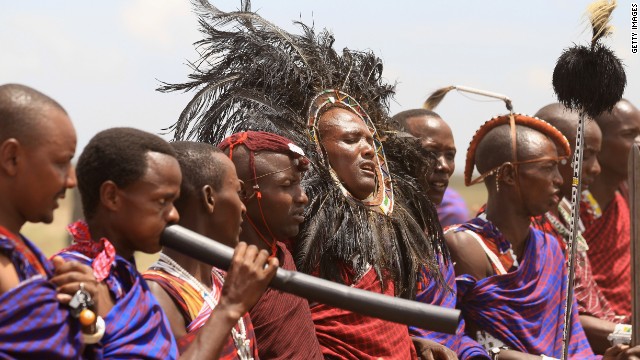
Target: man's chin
43,218
436,196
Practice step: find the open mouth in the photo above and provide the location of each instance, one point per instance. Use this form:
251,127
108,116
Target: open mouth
368,167
438,185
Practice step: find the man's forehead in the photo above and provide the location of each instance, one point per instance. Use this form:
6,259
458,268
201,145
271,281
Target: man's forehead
340,119
425,125
272,160
537,145
159,165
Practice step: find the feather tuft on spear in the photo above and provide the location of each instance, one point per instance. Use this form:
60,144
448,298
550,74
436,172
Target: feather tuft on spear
591,79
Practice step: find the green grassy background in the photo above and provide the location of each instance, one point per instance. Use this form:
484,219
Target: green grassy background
53,237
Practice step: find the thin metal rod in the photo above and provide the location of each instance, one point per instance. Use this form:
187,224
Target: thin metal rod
576,191
413,313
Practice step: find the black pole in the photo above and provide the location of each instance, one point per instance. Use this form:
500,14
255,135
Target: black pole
413,313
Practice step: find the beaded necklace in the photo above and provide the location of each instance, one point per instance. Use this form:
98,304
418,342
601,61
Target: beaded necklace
239,338
563,230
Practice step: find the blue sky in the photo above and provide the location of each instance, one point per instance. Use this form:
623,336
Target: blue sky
103,60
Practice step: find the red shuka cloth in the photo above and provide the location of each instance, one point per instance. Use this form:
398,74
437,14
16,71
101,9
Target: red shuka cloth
590,299
609,240
282,321
347,335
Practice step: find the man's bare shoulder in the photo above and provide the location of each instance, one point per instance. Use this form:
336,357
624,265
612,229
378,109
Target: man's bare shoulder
468,255
8,275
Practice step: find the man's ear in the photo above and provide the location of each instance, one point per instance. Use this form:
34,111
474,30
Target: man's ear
110,195
208,200
246,192
10,152
508,174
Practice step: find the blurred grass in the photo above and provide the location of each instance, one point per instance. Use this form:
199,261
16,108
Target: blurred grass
51,238
475,196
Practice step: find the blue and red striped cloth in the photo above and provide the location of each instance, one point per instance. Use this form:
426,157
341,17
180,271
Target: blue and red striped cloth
430,292
523,308
136,327
33,323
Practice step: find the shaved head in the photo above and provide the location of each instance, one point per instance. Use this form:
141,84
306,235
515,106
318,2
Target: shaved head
21,110
566,121
623,111
620,130
495,148
405,117
561,118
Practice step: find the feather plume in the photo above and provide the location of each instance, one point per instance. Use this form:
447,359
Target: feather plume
436,97
252,75
599,13
591,79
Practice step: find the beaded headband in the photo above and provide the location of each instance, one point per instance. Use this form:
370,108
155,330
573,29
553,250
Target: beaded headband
382,198
513,119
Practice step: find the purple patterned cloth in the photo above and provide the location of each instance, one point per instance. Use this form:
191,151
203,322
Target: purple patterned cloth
452,210
137,328
33,323
430,292
524,308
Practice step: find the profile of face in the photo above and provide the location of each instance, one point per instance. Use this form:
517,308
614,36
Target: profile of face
227,209
540,182
436,137
348,144
620,129
145,207
44,170
590,165
282,197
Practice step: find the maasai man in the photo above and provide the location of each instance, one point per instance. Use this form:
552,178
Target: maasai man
128,180
609,235
209,204
436,137
596,316
504,267
352,232
37,143
270,168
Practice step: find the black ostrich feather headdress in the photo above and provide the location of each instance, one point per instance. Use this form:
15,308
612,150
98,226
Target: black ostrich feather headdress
591,79
252,75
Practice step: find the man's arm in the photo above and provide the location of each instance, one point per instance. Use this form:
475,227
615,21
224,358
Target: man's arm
246,280
8,275
176,320
469,258
467,255
597,331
